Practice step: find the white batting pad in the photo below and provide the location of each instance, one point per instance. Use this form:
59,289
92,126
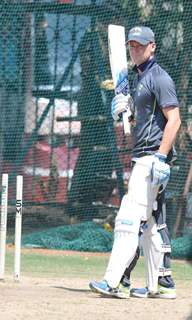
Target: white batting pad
123,252
136,206
152,247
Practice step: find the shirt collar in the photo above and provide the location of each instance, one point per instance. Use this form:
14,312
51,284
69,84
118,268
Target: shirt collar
145,65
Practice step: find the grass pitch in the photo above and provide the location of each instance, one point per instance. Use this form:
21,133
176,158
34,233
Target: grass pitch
52,263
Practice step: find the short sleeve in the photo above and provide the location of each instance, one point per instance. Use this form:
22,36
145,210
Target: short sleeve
165,91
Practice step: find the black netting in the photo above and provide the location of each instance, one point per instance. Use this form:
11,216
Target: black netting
56,126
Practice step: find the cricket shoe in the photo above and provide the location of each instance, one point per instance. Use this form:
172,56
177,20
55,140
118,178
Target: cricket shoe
163,293
103,288
167,293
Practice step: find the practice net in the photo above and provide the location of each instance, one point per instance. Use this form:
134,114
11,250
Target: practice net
56,124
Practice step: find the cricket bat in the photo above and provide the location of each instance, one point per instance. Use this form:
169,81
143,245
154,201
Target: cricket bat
119,69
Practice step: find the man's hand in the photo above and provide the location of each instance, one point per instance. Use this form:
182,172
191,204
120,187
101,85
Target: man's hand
160,172
121,103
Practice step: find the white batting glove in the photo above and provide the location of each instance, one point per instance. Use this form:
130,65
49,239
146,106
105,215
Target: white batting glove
160,172
120,104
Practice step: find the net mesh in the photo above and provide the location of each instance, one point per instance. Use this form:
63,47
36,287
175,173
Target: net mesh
55,95
86,236
91,237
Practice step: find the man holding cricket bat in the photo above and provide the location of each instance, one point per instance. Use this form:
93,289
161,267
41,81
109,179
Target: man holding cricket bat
154,129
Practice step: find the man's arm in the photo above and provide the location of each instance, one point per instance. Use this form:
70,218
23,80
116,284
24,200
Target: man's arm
172,115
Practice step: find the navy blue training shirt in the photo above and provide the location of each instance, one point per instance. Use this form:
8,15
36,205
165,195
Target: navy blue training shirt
153,90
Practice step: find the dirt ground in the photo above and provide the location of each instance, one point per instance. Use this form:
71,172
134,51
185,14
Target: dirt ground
67,299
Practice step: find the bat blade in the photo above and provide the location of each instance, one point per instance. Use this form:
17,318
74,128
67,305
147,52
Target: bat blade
118,63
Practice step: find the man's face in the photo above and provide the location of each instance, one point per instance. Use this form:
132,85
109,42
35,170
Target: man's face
140,53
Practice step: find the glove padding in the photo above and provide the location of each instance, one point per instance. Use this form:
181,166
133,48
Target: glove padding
121,103
160,171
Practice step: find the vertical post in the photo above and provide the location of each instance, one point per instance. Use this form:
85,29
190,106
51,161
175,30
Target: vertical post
3,224
18,227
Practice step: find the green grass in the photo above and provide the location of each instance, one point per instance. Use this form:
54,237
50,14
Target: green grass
36,264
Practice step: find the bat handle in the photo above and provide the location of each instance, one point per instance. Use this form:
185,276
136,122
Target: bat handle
126,123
